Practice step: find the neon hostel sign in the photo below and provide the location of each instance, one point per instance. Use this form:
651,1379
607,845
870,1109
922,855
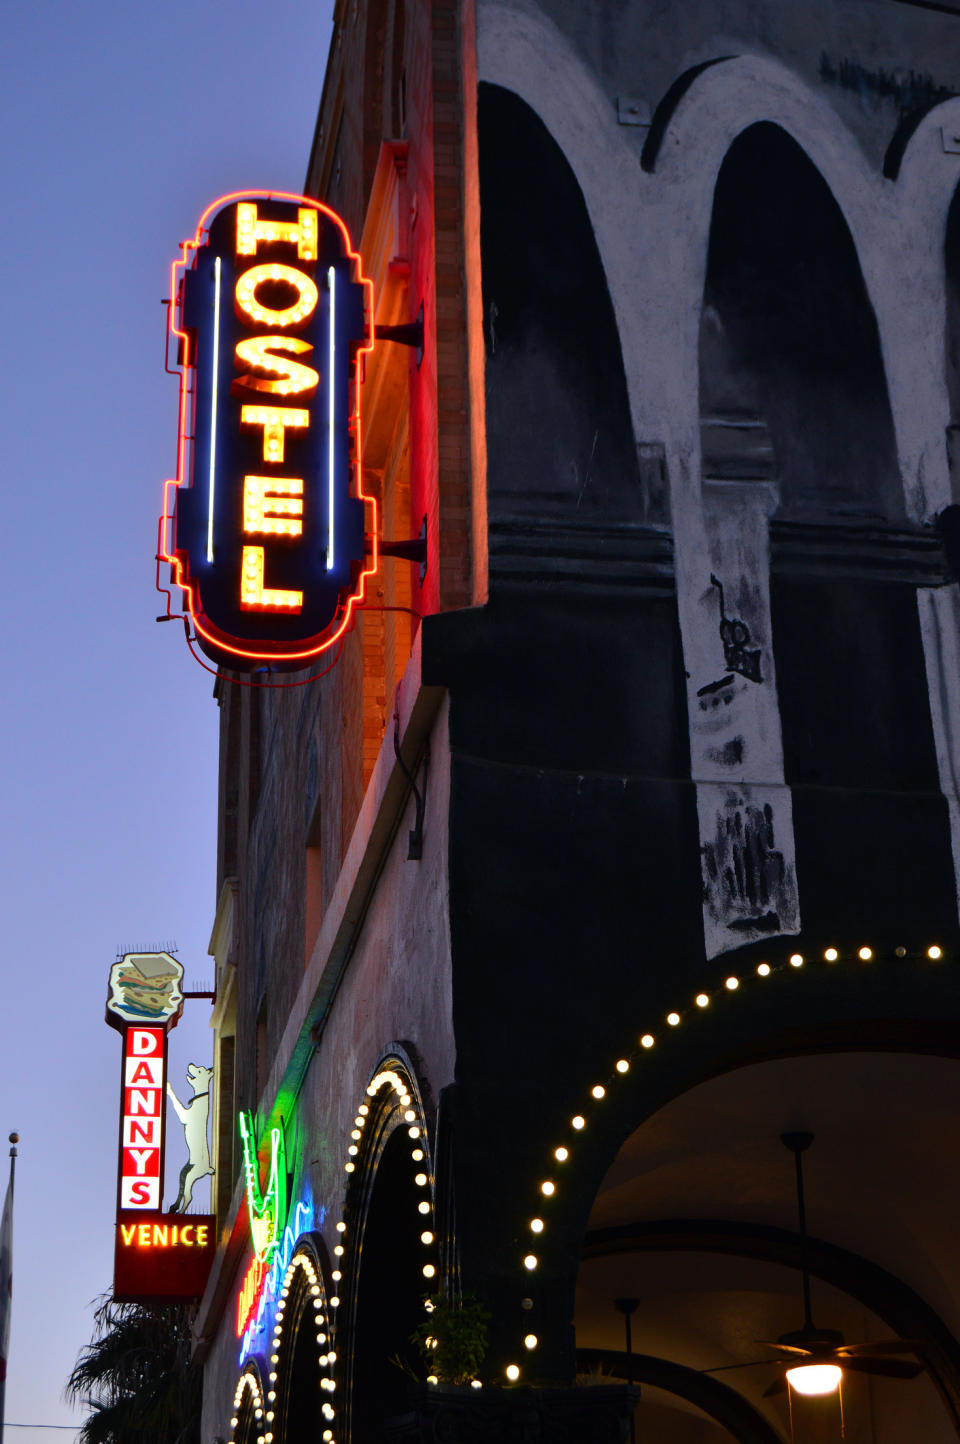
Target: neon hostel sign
265,524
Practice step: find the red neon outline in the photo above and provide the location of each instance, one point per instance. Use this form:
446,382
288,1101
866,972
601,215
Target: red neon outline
218,639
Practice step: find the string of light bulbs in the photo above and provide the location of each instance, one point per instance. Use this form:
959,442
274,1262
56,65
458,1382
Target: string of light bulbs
562,1153
265,1409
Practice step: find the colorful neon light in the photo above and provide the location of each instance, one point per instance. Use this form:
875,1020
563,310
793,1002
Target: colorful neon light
261,1310
269,367
331,412
214,387
266,1210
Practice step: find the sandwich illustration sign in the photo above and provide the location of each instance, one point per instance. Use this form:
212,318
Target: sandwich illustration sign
267,531
157,1255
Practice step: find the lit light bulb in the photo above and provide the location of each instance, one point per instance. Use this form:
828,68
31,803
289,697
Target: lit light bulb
622,1065
796,960
732,984
561,1154
598,1090
577,1121
531,1341
865,954
647,1040
530,1262
763,969
702,1000
934,952
536,1225
831,955
513,1373
673,1019
548,1188
815,1378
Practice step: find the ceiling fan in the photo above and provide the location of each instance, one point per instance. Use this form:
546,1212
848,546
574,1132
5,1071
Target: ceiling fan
814,1359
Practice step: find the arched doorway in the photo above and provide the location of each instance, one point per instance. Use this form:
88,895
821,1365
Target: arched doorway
388,1260
304,1365
247,1424
696,1223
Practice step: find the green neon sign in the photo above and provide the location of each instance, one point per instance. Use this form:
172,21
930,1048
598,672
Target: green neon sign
268,1211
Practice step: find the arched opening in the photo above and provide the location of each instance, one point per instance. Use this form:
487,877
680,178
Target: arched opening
559,434
303,1366
792,384
247,1424
389,1295
819,567
696,1226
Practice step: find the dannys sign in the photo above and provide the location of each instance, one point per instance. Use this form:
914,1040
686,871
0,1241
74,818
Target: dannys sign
157,1255
266,526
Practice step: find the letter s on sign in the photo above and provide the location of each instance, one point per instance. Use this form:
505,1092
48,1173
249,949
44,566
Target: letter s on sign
257,352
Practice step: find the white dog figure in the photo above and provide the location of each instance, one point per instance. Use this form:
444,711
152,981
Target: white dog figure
193,1115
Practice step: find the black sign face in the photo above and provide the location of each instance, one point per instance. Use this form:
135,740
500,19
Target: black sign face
269,529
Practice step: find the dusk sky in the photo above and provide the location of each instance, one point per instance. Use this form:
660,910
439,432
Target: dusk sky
121,120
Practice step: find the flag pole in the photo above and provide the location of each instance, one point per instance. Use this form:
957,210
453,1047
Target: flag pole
8,1203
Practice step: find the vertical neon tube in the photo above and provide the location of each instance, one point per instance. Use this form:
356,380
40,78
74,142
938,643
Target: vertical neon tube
331,393
211,484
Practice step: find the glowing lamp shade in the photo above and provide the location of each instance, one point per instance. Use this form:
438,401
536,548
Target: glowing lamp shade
815,1378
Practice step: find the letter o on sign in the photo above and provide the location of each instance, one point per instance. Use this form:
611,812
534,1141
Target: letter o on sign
250,282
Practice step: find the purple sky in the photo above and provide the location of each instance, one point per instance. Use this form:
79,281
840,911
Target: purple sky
121,120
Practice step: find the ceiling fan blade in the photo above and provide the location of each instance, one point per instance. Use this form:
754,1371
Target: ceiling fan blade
881,1347
783,1348
887,1368
779,1386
